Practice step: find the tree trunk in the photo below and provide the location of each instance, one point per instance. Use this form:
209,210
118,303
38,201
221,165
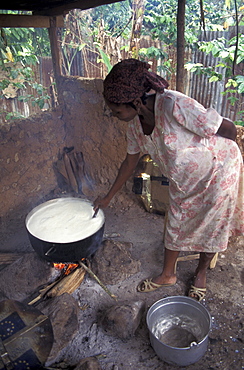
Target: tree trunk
56,59
138,8
180,45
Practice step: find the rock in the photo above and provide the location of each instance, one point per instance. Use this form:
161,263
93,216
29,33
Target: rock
113,263
63,314
2,297
18,281
88,363
123,320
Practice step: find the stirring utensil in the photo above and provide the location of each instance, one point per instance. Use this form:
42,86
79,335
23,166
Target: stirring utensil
95,213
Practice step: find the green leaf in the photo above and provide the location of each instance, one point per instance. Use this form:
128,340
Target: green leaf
231,82
224,54
213,79
80,47
105,59
232,100
240,78
192,66
240,59
241,88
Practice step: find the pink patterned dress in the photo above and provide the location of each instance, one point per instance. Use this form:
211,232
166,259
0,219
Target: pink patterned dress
205,173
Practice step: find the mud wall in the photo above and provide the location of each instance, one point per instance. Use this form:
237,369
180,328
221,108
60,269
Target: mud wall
90,127
30,147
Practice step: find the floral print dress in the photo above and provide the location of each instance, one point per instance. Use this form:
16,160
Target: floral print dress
205,172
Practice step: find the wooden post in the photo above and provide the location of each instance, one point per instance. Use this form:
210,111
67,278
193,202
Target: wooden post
56,58
165,223
180,46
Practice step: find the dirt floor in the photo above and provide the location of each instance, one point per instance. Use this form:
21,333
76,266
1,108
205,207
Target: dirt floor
127,221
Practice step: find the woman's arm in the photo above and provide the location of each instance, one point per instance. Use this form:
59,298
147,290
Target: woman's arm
227,129
126,170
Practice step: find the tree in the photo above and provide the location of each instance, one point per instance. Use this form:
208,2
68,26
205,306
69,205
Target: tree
20,49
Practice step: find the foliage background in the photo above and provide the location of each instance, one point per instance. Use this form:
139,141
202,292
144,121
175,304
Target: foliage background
95,39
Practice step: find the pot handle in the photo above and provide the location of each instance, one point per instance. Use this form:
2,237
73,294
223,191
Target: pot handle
51,251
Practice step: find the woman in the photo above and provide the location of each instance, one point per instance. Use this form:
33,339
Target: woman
194,148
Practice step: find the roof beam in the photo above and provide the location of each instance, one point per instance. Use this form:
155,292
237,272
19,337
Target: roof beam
80,4
25,21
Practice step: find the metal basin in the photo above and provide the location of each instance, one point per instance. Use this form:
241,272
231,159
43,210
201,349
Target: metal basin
179,328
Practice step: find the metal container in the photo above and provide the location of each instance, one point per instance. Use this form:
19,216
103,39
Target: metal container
60,248
179,328
26,336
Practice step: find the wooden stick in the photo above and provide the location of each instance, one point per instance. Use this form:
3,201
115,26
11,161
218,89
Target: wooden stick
190,257
8,258
213,261
71,176
196,256
43,292
165,224
98,280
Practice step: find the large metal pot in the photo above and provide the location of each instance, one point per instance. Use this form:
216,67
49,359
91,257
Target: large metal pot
179,328
63,229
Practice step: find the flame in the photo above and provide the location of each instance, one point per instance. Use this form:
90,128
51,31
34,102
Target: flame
66,267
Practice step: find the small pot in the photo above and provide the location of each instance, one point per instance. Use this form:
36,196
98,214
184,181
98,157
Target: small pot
179,328
64,230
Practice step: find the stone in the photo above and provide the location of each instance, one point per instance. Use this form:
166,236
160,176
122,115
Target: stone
18,282
122,320
88,363
63,314
113,263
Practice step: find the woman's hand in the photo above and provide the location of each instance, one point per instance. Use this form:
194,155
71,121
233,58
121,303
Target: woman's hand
101,203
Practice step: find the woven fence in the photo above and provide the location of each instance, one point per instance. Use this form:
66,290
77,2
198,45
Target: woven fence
87,63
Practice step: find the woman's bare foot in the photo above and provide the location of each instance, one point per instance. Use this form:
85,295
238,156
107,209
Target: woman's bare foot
149,285
163,279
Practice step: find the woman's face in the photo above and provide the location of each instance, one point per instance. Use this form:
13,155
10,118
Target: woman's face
123,112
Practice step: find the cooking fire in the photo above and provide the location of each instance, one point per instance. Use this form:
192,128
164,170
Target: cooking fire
66,268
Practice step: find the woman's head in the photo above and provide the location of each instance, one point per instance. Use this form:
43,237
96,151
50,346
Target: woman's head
123,111
131,79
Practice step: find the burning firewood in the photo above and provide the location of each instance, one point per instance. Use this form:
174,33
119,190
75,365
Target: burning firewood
65,284
68,284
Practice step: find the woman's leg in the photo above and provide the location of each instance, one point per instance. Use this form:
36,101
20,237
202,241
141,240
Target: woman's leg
198,290
168,274
201,271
